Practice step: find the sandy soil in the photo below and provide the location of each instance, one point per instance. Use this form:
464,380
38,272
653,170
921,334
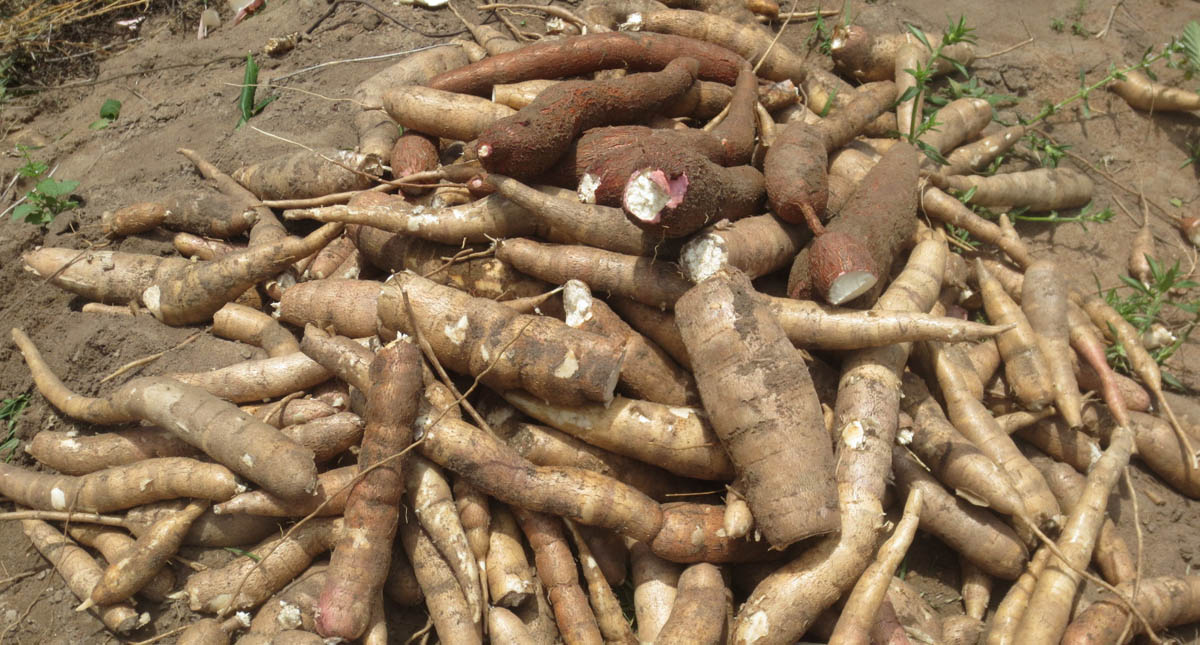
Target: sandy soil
178,91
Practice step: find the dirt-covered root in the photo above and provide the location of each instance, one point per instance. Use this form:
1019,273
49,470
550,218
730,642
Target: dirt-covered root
112,277
648,372
582,54
477,222
958,121
203,212
786,602
677,439
756,246
510,578
976,156
1165,601
193,293
253,327
580,495
761,402
128,574
72,454
505,349
264,570
358,565
750,41
1025,367
866,55
377,132
438,113
327,498
121,487
559,217
878,220
81,573
974,532
1050,604
677,192
1043,189
656,283
485,277
698,615
556,568
1141,93
309,173
346,306
1112,556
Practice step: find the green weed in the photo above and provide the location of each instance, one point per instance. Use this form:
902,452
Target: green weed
48,198
108,113
10,410
1144,305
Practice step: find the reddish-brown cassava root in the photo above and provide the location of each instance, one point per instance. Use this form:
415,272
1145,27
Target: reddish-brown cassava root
876,223
358,566
527,143
578,55
795,162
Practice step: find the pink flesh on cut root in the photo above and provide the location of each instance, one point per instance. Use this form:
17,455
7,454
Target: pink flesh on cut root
649,192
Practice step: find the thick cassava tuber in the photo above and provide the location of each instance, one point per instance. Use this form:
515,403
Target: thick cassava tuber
505,349
309,174
358,566
876,223
527,143
678,191
582,54
761,402
234,438
795,165
441,114
146,481
194,292
203,212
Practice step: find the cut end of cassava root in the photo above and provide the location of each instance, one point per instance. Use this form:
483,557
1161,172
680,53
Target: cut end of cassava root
842,268
649,192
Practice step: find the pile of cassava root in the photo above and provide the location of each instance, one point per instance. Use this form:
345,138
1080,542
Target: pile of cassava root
641,315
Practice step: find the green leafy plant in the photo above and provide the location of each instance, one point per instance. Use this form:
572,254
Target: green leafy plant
32,167
1193,150
956,32
1144,305
1189,46
48,198
10,410
1057,25
970,89
821,34
1046,152
246,104
960,239
108,113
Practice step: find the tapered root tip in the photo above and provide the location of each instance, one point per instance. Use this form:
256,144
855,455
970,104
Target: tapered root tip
85,605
